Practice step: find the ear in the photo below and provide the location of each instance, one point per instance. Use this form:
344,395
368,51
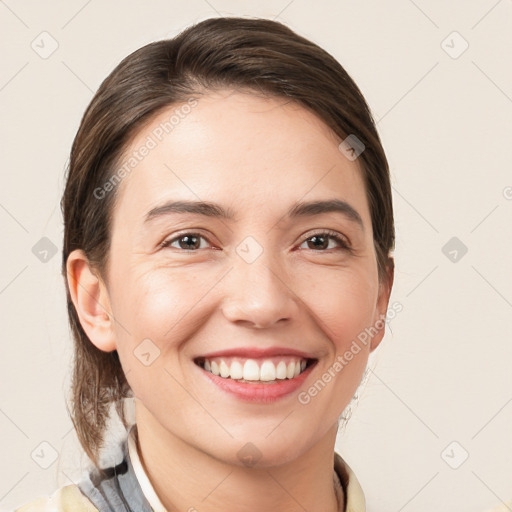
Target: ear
90,298
382,303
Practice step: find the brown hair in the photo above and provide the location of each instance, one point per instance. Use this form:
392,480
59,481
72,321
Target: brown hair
254,54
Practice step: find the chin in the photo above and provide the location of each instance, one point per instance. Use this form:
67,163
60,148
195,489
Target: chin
256,451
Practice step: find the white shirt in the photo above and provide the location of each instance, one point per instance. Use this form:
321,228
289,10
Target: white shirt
143,479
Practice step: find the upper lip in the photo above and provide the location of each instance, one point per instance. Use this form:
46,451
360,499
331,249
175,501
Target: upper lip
257,352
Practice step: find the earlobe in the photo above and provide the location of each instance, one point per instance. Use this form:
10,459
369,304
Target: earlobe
90,298
382,304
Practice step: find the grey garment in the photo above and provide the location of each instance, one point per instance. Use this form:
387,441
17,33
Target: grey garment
115,489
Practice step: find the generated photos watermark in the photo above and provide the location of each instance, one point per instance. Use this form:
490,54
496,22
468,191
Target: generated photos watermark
151,142
362,339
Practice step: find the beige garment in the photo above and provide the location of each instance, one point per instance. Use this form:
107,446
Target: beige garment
505,507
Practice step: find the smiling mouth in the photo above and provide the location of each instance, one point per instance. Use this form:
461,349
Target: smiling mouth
256,371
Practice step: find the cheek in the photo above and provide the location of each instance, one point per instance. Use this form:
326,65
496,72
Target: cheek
343,302
345,308
161,305
157,313
158,303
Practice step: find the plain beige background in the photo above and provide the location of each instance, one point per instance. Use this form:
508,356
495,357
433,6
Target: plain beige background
437,76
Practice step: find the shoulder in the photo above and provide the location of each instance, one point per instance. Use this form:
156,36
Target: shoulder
66,499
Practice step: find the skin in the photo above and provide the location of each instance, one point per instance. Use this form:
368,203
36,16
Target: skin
257,156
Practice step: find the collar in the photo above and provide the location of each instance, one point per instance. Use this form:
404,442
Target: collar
354,496
141,475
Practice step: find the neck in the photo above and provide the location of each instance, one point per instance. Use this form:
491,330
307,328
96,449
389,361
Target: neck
186,478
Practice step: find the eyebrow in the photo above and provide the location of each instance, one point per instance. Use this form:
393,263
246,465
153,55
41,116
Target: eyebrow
214,210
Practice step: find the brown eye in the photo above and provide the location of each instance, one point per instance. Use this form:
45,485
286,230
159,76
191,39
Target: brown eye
320,241
186,241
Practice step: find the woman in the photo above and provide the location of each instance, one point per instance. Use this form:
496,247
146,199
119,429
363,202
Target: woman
227,253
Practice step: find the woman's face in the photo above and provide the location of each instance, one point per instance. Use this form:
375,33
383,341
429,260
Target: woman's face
253,288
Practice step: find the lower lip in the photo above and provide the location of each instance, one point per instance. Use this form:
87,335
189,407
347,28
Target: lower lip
262,393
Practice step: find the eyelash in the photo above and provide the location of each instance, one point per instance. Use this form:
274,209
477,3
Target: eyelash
342,241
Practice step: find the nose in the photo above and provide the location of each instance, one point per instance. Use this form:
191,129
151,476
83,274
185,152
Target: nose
259,294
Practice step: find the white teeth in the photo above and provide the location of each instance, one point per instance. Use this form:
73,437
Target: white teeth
289,371
237,372
268,371
281,370
224,369
250,369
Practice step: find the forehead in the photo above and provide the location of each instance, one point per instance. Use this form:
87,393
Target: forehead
239,149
